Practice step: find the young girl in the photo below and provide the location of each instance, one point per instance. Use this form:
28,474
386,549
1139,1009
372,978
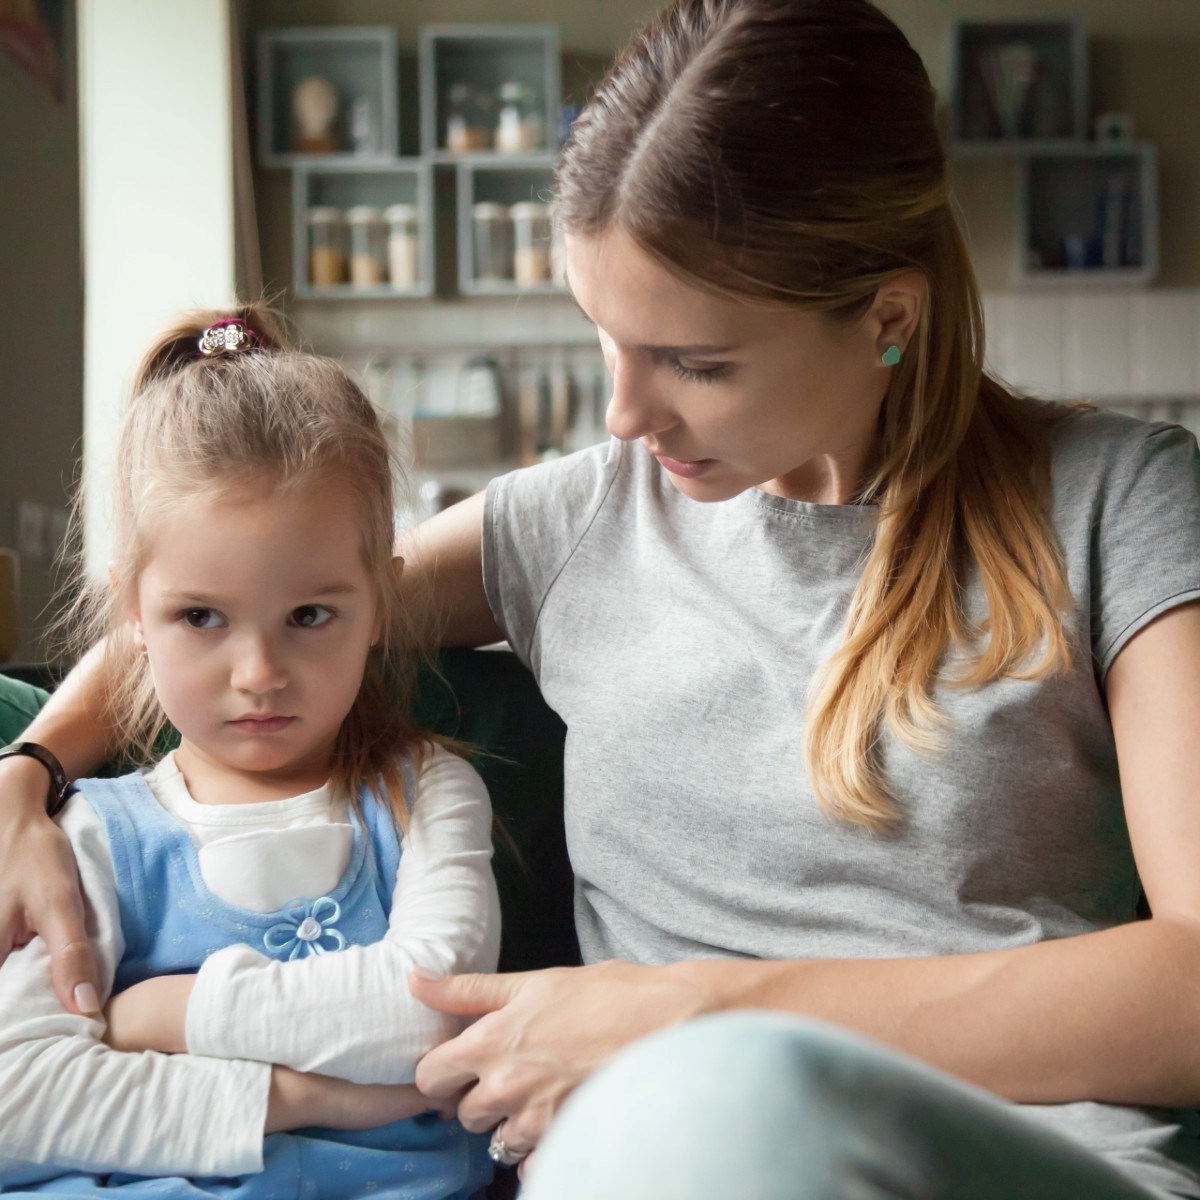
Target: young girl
254,605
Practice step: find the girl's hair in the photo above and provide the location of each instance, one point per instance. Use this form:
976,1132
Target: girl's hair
210,425
784,152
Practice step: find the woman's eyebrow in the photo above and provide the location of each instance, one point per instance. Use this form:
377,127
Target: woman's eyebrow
695,349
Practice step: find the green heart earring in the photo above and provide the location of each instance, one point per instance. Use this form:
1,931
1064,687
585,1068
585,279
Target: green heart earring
891,356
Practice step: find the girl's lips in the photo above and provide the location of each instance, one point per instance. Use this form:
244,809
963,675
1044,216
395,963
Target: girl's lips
688,468
262,724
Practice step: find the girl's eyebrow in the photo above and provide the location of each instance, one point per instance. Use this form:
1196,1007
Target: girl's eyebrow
205,600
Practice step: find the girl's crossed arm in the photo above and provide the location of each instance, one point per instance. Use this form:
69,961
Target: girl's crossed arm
348,1014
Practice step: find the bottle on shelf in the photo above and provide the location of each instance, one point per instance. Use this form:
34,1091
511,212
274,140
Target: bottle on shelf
403,246
531,255
368,246
521,129
467,125
326,246
493,234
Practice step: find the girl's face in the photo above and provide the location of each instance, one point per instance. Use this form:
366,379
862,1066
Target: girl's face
257,613
727,395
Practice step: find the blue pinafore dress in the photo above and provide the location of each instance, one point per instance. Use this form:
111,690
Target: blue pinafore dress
172,922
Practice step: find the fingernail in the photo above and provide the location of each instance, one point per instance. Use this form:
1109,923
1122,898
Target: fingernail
426,973
86,999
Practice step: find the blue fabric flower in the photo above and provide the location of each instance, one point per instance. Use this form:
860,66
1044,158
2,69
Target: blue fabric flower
308,929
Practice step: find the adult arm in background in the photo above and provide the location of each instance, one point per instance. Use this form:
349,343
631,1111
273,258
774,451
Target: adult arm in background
69,1102
1107,1016
445,919
39,884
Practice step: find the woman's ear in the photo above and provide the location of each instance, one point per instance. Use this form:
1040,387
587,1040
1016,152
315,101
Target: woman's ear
896,310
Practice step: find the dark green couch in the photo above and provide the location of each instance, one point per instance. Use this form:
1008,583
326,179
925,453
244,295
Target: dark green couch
488,699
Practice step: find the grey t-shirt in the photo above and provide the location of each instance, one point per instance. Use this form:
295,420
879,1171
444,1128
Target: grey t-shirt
676,640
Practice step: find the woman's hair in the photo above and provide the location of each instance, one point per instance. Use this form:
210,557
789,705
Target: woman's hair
197,425
785,152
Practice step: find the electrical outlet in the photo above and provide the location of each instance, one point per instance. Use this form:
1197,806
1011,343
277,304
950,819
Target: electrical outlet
31,532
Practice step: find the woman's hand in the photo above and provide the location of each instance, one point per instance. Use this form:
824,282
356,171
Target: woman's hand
298,1101
539,1035
151,1015
39,886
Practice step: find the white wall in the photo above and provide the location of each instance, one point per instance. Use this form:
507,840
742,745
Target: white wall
156,131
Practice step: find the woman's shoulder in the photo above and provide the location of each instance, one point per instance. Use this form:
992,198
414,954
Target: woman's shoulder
1096,442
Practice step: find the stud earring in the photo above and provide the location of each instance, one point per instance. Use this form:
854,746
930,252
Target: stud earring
891,356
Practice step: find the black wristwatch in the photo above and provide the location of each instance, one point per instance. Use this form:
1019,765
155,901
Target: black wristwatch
60,785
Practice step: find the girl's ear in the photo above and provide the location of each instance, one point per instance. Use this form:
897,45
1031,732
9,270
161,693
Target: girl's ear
133,615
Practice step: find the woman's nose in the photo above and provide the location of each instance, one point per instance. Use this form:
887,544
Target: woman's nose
635,409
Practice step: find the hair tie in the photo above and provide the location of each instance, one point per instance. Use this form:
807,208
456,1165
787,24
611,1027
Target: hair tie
228,336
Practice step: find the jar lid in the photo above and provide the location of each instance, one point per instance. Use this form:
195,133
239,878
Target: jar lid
362,214
400,212
514,89
529,210
321,214
487,211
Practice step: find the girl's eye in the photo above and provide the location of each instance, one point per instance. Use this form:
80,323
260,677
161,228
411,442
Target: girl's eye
310,616
202,618
699,374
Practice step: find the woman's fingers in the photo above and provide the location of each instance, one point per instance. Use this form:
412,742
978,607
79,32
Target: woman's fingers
55,910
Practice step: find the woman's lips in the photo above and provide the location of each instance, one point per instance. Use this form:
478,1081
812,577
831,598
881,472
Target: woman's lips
688,468
262,724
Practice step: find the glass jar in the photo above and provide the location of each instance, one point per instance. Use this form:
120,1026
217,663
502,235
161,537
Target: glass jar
520,128
326,246
368,246
493,235
467,126
531,253
403,246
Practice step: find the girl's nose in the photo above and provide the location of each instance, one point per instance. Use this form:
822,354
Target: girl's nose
257,668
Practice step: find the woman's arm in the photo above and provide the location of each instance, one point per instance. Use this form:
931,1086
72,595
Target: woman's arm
1109,1016
443,569
350,1014
67,1099
39,888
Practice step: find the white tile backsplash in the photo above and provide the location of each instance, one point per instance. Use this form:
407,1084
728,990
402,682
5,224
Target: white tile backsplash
1164,330
1096,341
1103,345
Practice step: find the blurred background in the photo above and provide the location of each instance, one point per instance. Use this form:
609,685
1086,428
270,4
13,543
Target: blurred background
381,168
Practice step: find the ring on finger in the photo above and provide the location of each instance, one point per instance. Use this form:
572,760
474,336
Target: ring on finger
498,1152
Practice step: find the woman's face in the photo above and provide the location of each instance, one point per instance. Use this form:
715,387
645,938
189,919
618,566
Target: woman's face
729,396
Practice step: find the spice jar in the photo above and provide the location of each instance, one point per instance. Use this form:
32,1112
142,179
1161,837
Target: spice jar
520,127
403,246
368,246
531,256
467,128
493,242
326,246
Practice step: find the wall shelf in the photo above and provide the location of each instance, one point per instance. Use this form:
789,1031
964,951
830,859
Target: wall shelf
344,186
360,64
484,57
1018,82
1089,215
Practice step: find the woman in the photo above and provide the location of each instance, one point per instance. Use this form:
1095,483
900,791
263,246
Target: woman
851,644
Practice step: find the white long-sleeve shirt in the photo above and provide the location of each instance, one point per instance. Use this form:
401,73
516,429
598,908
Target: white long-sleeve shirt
68,1099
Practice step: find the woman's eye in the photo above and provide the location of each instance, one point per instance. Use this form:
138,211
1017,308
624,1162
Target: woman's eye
201,618
310,616
699,374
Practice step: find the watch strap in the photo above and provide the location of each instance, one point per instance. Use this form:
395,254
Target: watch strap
59,783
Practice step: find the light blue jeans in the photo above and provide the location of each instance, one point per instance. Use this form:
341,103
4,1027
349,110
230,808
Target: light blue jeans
757,1106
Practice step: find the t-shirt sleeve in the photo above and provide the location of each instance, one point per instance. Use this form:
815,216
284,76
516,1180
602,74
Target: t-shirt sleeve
1146,542
533,520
